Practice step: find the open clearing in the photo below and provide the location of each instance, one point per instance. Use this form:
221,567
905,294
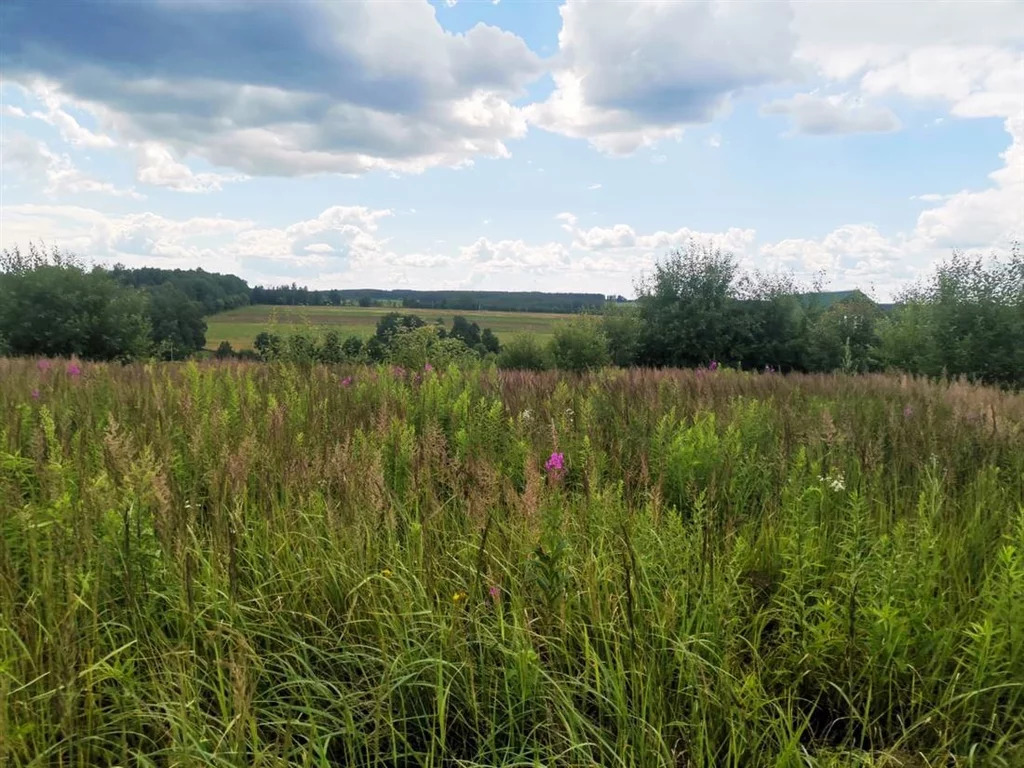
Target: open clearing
240,326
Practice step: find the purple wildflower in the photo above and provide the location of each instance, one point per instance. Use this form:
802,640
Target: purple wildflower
397,371
428,367
35,394
74,370
346,382
495,593
555,465
43,365
908,411
713,365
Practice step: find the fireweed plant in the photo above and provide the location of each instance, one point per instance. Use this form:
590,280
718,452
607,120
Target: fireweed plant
232,564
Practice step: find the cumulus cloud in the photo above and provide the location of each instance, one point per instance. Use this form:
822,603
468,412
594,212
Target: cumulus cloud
840,113
280,88
156,165
36,160
632,74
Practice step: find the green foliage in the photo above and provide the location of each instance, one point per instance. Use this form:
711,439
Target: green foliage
242,564
177,326
687,306
212,292
580,344
414,348
52,306
966,319
524,353
224,351
622,327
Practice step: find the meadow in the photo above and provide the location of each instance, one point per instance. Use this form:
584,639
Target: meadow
236,564
240,326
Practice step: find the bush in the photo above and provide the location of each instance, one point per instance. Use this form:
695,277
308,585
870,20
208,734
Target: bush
524,353
580,344
224,351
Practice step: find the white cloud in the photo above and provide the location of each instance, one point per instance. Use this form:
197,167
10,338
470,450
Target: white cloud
36,160
156,166
347,89
632,74
594,186
838,113
715,141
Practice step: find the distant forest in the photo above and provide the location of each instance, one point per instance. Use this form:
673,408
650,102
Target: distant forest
217,293
494,301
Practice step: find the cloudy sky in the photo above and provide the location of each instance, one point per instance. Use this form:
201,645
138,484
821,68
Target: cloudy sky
512,145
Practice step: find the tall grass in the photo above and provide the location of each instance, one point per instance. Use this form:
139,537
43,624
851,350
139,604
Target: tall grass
245,565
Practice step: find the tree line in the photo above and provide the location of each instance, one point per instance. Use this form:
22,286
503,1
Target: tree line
494,301
696,308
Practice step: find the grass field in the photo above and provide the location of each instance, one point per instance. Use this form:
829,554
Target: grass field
240,326
235,564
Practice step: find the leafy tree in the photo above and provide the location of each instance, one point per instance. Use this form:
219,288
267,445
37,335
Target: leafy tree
352,348
622,328
413,348
466,331
224,351
973,313
330,350
580,344
178,328
843,337
686,308
393,322
490,341
267,345
524,353
50,305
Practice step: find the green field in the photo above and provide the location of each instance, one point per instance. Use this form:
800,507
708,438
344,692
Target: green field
240,326
242,565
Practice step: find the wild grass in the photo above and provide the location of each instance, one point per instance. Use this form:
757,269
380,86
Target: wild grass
244,565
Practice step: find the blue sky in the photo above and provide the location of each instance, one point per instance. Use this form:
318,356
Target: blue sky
512,145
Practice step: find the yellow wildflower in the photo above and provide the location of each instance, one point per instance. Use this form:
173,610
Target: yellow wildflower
386,573
458,597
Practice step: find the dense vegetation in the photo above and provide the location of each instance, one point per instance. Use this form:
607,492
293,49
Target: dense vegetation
51,305
401,339
241,564
211,291
696,308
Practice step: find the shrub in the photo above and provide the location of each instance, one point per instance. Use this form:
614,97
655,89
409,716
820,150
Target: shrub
580,344
524,353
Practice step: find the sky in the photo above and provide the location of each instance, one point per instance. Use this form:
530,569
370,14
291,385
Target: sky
502,145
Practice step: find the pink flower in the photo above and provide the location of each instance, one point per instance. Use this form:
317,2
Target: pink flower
35,394
43,365
908,411
555,465
428,367
713,365
74,370
495,593
398,371
346,382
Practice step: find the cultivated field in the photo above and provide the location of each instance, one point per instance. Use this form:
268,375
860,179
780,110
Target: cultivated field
234,564
240,326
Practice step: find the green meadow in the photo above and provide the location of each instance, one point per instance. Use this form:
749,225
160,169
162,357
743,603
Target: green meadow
240,326
240,564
